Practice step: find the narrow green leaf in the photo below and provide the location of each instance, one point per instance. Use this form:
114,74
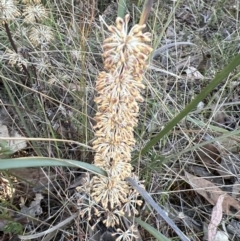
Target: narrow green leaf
121,8
218,79
159,210
208,126
152,230
223,136
43,161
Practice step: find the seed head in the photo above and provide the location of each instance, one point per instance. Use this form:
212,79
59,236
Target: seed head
41,35
8,11
127,235
109,191
15,59
34,13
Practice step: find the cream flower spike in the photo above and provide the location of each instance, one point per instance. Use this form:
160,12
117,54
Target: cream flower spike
123,44
118,93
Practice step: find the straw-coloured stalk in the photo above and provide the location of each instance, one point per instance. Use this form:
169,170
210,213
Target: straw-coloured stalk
118,87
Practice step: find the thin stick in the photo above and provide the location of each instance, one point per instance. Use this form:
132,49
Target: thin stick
50,230
150,201
145,12
14,46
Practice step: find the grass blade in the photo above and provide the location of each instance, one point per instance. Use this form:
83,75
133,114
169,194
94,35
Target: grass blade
218,79
121,8
43,161
152,230
159,210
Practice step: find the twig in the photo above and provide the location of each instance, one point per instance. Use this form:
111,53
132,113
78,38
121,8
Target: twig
157,52
10,37
14,47
150,201
50,230
145,12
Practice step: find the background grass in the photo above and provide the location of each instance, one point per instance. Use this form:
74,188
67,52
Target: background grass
55,101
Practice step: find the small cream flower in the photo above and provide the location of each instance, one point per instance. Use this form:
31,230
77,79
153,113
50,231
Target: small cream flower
127,235
41,35
86,184
15,59
128,49
109,191
8,11
129,207
118,93
31,1
110,218
42,65
34,13
87,209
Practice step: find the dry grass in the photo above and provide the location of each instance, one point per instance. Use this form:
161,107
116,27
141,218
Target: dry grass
54,99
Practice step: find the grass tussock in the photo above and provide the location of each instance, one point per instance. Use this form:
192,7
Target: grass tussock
54,94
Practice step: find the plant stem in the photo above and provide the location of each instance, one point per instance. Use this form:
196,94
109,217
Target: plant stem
161,212
14,47
10,37
145,12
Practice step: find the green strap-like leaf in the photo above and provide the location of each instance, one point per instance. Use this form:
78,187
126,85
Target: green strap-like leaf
152,230
159,210
217,80
121,8
44,161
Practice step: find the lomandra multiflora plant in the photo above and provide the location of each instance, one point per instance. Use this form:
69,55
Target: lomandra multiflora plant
118,93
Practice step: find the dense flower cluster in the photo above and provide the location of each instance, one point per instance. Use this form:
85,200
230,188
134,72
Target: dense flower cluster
8,11
40,35
34,13
118,87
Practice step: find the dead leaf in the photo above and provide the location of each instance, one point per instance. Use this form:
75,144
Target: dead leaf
209,155
215,218
14,144
221,236
211,193
223,120
32,175
193,73
35,208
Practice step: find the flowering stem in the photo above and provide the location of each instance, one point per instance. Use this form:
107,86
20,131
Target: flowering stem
118,88
14,47
10,37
